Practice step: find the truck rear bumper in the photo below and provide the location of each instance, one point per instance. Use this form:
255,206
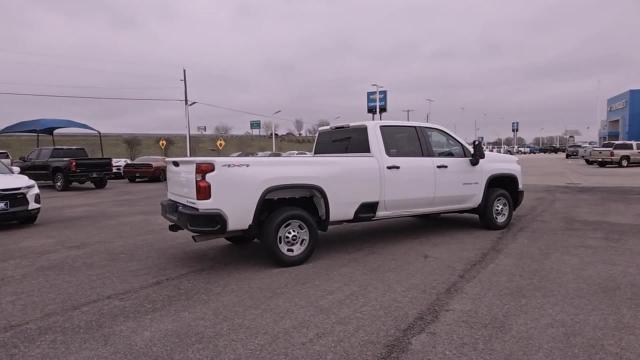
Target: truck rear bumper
194,220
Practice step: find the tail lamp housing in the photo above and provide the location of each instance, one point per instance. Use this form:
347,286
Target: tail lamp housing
611,154
203,187
73,165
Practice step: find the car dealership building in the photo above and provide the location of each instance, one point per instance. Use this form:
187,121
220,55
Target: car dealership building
623,117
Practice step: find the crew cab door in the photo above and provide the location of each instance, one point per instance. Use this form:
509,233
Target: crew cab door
408,176
28,166
458,183
40,166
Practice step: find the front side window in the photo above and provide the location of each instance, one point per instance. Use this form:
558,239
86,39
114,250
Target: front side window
44,154
443,144
401,141
32,155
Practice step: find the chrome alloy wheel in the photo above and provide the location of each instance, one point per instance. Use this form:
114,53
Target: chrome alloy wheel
293,237
500,210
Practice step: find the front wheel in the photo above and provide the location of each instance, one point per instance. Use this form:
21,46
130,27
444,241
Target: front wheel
131,179
497,209
589,162
289,235
60,182
602,164
100,183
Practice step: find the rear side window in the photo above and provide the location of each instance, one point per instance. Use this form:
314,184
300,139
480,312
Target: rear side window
638,146
68,153
353,140
623,146
401,141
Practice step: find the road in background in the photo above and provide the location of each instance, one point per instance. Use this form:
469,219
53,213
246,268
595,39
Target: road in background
99,276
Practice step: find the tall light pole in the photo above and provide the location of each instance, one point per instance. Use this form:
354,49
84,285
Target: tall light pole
408,111
541,130
429,101
273,130
186,111
378,87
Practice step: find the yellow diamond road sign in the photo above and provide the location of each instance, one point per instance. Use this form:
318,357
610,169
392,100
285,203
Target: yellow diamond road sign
162,143
220,143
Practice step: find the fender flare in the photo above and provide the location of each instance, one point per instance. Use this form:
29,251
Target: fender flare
324,223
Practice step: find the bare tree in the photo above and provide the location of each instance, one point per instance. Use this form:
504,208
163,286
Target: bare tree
222,129
266,127
298,124
323,122
133,144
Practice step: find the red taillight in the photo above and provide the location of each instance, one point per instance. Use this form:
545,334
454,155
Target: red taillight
203,187
73,165
611,153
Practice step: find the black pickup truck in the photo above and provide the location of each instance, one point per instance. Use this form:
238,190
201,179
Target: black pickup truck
64,166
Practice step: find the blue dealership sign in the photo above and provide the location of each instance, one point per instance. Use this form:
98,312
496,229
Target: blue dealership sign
515,126
372,100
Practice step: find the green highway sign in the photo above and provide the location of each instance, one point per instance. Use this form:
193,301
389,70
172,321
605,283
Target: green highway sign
254,124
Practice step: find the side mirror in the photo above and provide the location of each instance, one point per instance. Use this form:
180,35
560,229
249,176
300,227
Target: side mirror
15,169
478,153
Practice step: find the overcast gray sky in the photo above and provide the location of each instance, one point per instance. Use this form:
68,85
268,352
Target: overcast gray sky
538,62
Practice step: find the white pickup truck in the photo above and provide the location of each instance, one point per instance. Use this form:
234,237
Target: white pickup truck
358,172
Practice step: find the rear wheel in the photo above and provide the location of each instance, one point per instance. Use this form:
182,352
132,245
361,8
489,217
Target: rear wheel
589,162
100,183
289,235
131,179
239,240
162,177
602,164
624,162
497,209
60,182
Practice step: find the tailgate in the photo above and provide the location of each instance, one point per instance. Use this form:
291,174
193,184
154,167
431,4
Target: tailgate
93,164
600,153
181,178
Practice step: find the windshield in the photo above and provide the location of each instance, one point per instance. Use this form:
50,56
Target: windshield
4,170
69,153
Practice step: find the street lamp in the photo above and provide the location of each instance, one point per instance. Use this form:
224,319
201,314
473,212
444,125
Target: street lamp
273,130
541,130
429,101
378,87
408,111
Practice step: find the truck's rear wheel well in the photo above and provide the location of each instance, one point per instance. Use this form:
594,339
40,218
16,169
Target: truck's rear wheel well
507,182
308,197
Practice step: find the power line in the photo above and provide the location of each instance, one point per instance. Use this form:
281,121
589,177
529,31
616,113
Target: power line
91,86
87,97
242,111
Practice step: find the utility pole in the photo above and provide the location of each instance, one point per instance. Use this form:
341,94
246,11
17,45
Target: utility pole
541,130
408,111
186,111
378,87
429,101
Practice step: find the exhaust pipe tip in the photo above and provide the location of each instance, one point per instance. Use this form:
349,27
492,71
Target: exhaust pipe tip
175,228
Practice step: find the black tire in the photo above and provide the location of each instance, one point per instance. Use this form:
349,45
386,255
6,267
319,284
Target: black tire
602,164
589,162
60,182
239,240
162,177
131,179
624,162
100,183
567,156
500,200
28,220
296,224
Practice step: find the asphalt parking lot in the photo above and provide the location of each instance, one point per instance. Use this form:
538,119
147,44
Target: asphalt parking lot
99,276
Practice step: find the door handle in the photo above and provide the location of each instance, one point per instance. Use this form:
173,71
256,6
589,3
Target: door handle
393,167
442,166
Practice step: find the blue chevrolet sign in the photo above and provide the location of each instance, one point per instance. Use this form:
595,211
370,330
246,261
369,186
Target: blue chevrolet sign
371,101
